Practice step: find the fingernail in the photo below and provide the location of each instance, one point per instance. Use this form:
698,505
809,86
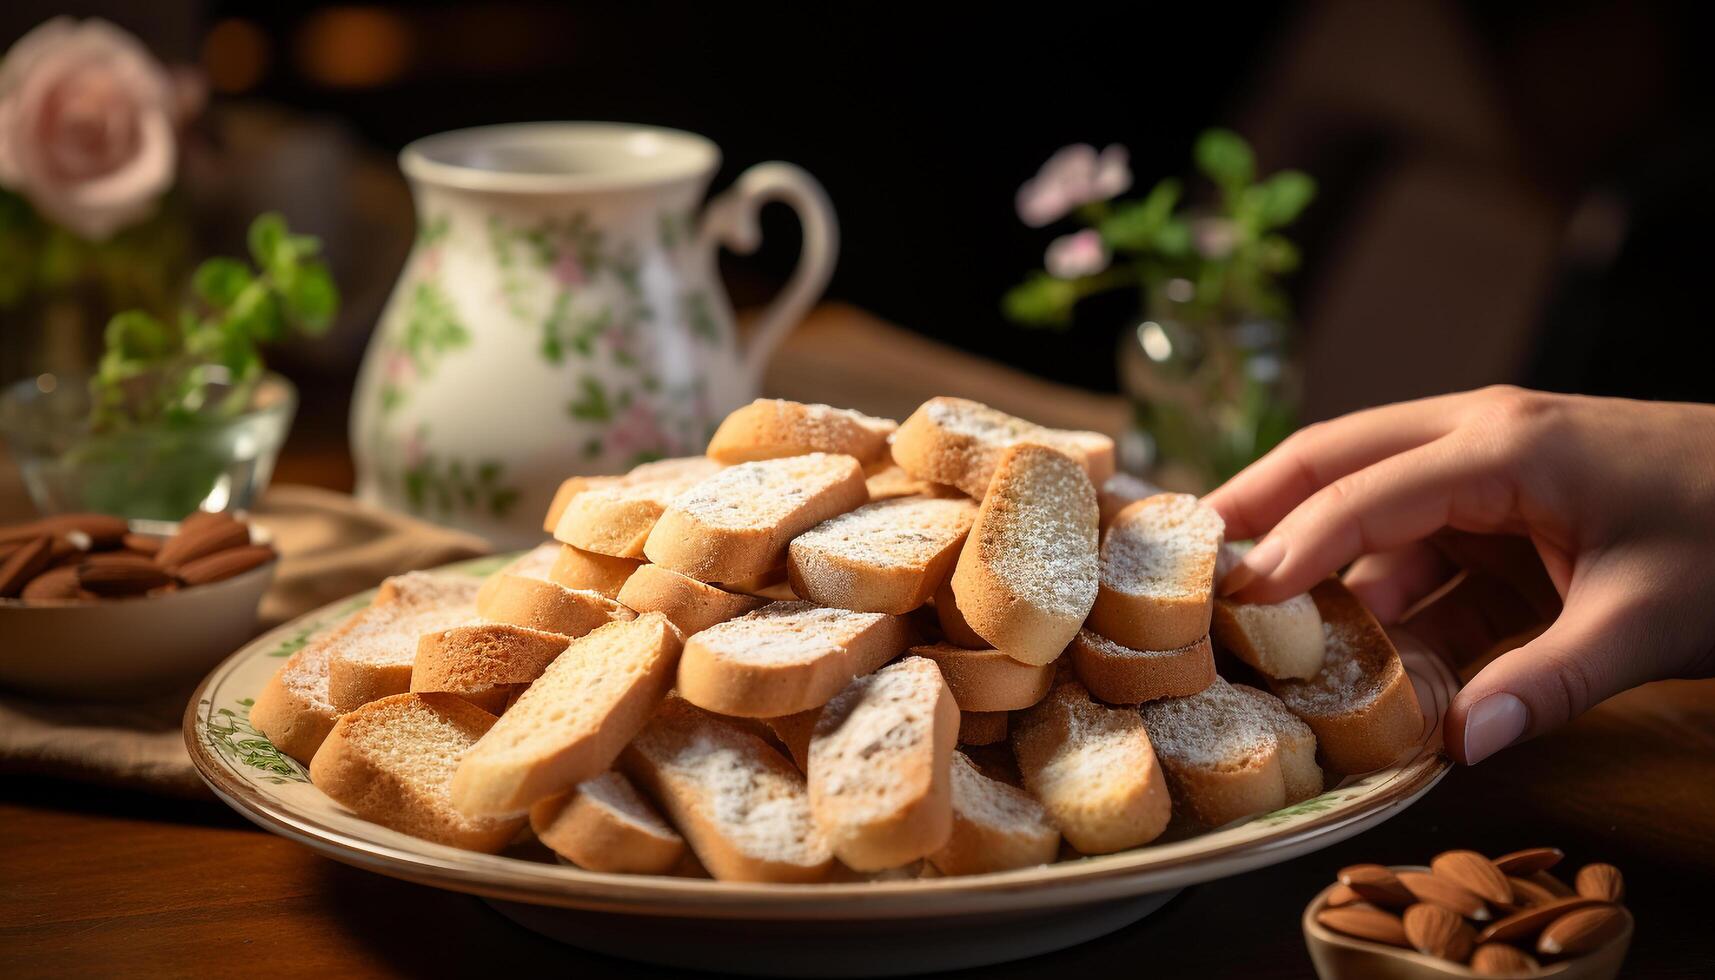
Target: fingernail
1492,724
1257,563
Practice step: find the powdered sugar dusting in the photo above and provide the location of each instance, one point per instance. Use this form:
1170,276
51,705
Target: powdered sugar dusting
991,803
1107,648
1217,728
872,752
1353,673
1164,547
614,793
786,633
765,492
901,533
1038,532
387,633
1100,742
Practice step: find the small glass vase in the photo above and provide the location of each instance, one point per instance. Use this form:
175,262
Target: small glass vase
159,472
1211,391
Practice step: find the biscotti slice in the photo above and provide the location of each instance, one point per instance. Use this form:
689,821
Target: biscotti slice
737,523
1120,491
1360,704
1118,674
1158,573
741,806
1296,742
771,428
1278,639
572,722
391,761
1219,749
372,655
887,479
988,680
995,826
695,467
529,600
576,568
1026,578
477,658
983,727
952,621
785,657
879,766
604,824
959,442
692,606
888,556
535,563
1093,768
616,519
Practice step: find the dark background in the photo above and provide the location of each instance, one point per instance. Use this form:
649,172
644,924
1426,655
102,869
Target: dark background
1514,191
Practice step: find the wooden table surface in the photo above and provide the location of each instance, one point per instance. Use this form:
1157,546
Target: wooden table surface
96,882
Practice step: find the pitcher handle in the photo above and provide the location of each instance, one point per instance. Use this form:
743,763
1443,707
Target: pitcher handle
730,220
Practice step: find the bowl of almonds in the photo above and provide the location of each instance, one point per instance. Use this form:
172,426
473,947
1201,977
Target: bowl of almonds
1467,915
93,606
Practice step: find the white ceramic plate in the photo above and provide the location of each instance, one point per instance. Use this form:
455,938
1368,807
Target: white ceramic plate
273,790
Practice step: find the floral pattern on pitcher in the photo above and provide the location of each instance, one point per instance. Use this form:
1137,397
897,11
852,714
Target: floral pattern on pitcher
574,255
439,485
430,326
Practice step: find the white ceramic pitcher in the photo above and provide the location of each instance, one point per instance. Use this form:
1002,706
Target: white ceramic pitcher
561,312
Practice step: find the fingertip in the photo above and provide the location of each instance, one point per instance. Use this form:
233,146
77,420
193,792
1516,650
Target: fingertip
1479,728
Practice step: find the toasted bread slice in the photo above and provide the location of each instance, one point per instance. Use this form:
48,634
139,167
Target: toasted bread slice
1296,742
615,519
887,479
1093,769
1279,639
737,523
772,428
995,826
1221,753
576,568
604,824
1118,492
477,658
1026,578
1361,704
531,600
1158,573
372,655
661,469
570,487
692,606
785,657
770,585
1118,674
573,721
959,442
889,556
391,761
742,807
983,727
988,680
535,563
952,621
879,766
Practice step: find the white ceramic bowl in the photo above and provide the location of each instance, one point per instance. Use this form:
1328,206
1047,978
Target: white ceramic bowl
123,649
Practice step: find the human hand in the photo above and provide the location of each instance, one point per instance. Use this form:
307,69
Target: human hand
1593,515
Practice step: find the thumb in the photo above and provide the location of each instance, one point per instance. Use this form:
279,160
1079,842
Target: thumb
1594,650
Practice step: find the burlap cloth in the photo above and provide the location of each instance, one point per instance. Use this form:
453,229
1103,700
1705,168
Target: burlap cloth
330,546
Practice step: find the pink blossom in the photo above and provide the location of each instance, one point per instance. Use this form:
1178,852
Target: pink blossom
1078,254
1214,238
567,271
400,368
86,125
637,430
415,450
1074,176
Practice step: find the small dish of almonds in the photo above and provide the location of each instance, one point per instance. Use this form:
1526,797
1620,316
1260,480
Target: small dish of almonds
93,606
1467,915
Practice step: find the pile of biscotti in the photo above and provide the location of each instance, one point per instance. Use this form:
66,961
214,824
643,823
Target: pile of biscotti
838,646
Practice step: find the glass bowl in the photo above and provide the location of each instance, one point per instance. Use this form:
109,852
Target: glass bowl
160,471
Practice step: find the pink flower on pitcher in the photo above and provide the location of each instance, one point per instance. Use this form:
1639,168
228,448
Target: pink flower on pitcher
635,431
401,370
1074,176
1077,255
86,125
415,450
567,270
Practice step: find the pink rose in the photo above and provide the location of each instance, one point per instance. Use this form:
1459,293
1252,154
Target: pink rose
86,125
1077,255
1072,177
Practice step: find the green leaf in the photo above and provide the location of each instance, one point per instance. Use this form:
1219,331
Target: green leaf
218,281
1041,301
137,336
312,300
1133,225
1278,255
592,405
1284,197
255,314
1226,158
1173,239
268,244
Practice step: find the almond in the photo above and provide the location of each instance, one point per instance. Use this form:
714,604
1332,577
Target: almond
224,564
207,536
1436,930
1341,895
1475,872
1376,883
55,583
1601,881
1530,922
23,563
1365,922
102,530
143,544
1581,931
1501,960
1446,893
1554,886
1527,893
1529,860
119,575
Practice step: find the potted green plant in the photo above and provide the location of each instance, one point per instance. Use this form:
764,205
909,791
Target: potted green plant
1208,362
180,414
